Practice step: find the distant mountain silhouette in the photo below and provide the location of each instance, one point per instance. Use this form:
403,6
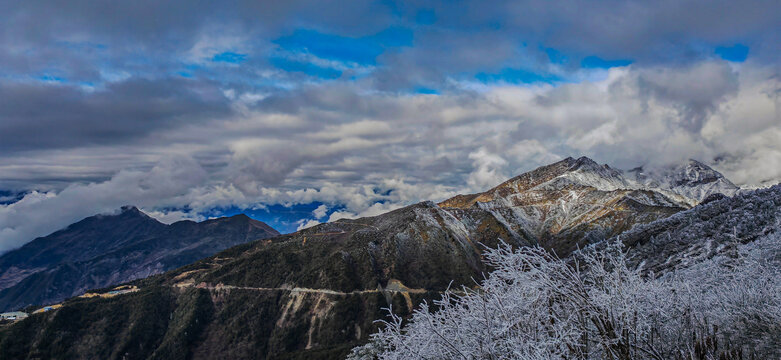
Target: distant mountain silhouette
103,250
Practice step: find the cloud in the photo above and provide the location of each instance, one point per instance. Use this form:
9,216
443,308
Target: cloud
373,210
695,91
488,170
307,224
370,153
80,42
38,116
172,216
320,212
38,214
655,29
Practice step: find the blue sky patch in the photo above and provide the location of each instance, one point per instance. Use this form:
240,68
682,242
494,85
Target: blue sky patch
230,57
555,56
734,53
425,17
305,67
394,36
595,62
329,46
359,50
52,79
426,91
518,76
284,219
82,45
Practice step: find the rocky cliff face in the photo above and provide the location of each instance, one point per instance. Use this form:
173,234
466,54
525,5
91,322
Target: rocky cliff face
103,250
317,292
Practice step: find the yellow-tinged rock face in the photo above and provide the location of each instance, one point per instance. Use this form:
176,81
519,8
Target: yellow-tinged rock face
559,205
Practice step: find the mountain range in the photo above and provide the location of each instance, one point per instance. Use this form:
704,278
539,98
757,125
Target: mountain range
316,293
104,250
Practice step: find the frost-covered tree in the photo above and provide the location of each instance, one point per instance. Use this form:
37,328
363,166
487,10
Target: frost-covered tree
534,305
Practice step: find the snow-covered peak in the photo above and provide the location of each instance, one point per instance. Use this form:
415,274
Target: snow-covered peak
587,172
684,185
693,180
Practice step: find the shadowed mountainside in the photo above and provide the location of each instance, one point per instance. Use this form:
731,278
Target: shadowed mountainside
103,250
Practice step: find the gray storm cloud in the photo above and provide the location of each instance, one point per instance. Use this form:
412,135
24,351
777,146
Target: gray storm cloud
39,116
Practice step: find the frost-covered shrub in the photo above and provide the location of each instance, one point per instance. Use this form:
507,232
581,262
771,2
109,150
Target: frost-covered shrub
739,295
593,306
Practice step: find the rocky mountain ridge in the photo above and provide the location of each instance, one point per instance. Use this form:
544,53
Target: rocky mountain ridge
686,184
581,199
103,250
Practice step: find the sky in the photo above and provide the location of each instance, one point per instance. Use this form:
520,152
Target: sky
300,112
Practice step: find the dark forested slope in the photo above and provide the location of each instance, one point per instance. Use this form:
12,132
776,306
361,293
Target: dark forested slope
103,250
